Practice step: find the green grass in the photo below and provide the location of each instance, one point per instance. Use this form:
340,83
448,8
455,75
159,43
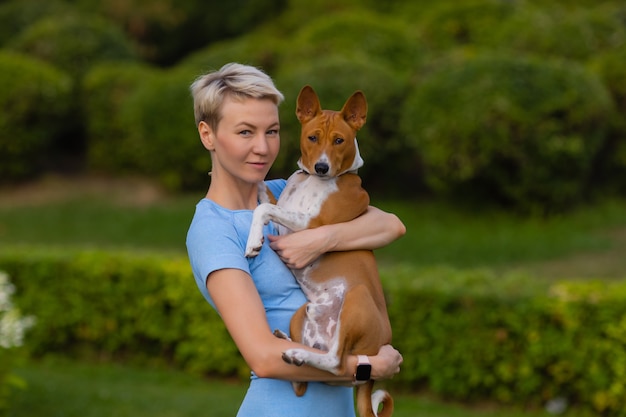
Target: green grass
99,223
441,234
437,234
69,389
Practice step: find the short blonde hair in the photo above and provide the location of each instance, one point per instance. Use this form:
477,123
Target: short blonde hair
232,79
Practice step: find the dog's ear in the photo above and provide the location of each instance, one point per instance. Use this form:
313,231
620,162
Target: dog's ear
355,110
308,104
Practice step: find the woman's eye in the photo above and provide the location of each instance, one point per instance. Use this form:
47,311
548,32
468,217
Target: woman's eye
313,138
272,132
338,141
245,132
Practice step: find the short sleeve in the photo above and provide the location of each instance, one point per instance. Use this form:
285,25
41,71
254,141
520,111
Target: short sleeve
213,244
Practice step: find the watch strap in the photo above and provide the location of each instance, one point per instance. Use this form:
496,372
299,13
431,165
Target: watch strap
363,370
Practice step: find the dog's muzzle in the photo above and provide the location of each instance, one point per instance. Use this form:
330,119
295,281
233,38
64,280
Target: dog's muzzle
321,168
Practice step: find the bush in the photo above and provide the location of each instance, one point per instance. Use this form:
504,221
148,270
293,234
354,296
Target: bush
259,49
167,31
159,117
567,30
448,24
35,98
576,33
140,121
468,335
106,88
354,34
136,306
474,335
516,130
16,15
74,42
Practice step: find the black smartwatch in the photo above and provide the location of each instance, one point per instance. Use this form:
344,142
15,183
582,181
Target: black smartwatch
363,370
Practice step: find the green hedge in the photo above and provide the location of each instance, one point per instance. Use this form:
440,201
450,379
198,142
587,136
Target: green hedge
140,120
520,130
72,42
465,335
141,307
474,335
107,87
35,98
447,23
571,31
159,118
576,33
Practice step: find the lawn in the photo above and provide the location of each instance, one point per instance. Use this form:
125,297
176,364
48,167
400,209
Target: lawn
63,388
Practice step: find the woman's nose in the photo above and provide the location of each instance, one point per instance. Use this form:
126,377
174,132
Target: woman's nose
260,144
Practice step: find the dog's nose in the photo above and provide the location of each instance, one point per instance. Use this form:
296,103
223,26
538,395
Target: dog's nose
321,168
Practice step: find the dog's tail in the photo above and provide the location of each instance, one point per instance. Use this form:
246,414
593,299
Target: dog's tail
368,403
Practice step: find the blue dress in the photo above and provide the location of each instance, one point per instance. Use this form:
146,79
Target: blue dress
216,240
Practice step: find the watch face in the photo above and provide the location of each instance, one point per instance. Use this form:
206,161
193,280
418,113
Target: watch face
363,372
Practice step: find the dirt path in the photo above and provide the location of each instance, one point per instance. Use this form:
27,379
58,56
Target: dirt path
610,263
131,191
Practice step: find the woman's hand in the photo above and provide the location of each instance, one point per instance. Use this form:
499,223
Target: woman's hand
300,249
386,364
372,230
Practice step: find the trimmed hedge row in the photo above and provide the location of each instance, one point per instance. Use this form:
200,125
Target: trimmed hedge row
465,335
473,335
141,307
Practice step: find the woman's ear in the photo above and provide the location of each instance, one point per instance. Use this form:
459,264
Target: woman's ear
206,136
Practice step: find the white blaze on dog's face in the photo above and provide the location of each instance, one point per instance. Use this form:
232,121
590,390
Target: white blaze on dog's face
327,139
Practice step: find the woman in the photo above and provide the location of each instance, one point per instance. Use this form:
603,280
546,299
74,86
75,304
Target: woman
236,112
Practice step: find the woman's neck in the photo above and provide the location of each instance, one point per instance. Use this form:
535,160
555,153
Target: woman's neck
233,197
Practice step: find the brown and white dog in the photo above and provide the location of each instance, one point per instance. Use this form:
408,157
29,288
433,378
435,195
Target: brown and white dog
346,311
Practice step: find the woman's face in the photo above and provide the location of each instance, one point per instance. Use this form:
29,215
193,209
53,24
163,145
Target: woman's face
247,139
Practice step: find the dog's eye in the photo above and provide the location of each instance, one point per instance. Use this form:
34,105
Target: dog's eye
338,141
313,138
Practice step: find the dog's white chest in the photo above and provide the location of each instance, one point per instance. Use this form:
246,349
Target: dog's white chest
308,195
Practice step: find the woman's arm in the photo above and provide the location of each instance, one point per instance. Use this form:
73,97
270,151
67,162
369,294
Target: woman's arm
240,306
372,230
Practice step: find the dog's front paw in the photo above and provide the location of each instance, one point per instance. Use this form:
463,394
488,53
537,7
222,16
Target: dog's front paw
295,356
253,247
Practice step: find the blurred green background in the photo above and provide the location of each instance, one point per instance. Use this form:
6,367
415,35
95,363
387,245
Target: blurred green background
496,131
